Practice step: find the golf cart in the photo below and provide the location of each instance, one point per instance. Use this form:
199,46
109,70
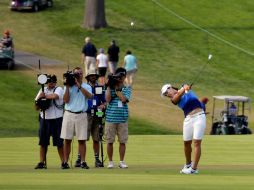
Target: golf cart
7,58
230,119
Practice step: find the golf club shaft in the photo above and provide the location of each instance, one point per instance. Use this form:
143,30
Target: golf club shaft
199,74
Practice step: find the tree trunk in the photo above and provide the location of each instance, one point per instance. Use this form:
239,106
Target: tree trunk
94,14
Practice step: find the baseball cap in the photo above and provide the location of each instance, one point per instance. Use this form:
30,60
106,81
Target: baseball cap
164,89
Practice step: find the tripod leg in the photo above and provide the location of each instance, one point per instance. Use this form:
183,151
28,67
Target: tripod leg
101,149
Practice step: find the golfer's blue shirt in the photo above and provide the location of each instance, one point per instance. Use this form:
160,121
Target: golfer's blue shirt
78,102
188,102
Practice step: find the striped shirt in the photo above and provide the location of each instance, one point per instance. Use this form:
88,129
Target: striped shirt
117,112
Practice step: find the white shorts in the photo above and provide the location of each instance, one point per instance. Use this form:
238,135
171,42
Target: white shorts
194,126
74,124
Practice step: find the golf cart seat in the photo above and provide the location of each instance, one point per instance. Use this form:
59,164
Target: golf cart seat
230,121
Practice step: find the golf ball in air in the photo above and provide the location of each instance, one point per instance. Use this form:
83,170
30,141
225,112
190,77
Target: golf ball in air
132,23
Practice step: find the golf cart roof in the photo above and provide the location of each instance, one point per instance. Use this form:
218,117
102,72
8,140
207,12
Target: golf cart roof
228,98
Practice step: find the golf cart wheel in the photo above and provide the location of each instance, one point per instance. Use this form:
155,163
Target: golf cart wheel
10,65
49,3
36,8
215,128
245,131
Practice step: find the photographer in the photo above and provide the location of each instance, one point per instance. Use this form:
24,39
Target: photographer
96,104
53,119
117,97
75,117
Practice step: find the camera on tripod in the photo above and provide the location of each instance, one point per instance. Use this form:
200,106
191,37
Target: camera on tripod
70,78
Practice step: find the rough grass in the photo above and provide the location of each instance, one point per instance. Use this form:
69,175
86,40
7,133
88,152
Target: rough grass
168,49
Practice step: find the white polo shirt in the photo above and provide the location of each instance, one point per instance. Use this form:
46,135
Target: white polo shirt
53,112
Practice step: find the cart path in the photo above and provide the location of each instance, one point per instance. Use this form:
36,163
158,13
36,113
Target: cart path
26,60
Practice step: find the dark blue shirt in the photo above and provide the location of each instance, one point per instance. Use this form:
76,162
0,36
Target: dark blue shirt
89,50
113,52
96,101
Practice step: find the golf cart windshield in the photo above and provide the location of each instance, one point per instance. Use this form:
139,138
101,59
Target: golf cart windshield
241,103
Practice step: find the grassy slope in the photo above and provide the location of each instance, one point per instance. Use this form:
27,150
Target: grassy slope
167,48
154,163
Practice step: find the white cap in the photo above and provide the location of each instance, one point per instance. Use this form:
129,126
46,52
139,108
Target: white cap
165,88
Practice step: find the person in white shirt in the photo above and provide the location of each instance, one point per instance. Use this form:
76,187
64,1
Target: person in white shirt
51,122
102,65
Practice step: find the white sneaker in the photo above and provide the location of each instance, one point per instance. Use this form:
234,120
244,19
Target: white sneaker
123,165
110,164
190,170
185,167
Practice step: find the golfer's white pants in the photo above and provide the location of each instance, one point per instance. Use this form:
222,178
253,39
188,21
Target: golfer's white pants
194,126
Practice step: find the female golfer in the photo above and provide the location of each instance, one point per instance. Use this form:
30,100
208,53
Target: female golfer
194,123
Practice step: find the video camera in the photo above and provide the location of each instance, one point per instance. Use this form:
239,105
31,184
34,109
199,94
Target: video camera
69,78
114,79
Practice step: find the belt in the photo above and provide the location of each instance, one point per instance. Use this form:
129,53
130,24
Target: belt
196,114
78,112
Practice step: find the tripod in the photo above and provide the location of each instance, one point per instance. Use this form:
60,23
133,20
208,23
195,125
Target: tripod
44,130
100,116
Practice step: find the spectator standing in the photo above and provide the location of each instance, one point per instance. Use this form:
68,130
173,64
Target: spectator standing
113,55
117,97
75,117
102,65
89,52
53,120
97,103
130,64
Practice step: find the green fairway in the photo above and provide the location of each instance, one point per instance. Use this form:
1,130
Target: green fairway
154,163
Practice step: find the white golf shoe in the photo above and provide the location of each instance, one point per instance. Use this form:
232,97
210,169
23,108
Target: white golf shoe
123,165
110,165
189,170
185,167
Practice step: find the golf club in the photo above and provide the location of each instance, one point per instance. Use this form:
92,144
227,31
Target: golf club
201,70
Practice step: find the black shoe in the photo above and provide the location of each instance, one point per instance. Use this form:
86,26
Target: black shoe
65,165
78,163
98,164
40,165
84,165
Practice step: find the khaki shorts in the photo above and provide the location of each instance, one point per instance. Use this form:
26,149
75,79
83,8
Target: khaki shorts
93,127
74,124
90,64
119,129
